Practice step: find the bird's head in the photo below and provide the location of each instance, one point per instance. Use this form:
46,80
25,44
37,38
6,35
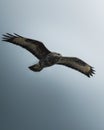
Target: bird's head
56,54
52,58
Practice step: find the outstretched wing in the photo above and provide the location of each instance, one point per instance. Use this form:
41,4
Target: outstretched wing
77,64
37,48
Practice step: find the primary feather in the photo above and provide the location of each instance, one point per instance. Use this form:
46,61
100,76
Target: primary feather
37,48
77,64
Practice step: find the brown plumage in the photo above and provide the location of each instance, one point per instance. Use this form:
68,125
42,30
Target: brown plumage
46,57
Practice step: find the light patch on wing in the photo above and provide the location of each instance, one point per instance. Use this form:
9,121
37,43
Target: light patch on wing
20,40
88,68
31,46
84,69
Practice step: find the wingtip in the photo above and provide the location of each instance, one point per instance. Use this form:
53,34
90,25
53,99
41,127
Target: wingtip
91,72
8,36
11,35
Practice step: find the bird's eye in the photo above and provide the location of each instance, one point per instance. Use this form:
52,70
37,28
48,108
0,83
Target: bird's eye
59,54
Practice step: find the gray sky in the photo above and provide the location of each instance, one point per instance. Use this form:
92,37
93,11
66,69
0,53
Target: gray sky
58,98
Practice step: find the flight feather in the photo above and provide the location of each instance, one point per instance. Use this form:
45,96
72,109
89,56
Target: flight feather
77,64
37,48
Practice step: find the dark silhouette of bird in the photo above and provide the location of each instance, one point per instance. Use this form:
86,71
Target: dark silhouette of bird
46,57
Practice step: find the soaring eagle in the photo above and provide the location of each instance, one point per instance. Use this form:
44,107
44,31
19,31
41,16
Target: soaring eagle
46,57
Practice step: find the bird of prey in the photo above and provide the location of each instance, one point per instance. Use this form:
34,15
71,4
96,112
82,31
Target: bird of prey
46,57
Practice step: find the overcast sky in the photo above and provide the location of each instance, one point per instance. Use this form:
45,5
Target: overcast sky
57,98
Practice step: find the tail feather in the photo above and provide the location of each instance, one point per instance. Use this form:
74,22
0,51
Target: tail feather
35,67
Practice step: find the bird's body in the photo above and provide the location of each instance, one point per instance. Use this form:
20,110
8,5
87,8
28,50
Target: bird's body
51,59
46,57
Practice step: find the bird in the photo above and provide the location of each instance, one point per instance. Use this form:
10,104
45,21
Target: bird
46,57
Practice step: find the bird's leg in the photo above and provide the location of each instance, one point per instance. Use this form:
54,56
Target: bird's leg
37,67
